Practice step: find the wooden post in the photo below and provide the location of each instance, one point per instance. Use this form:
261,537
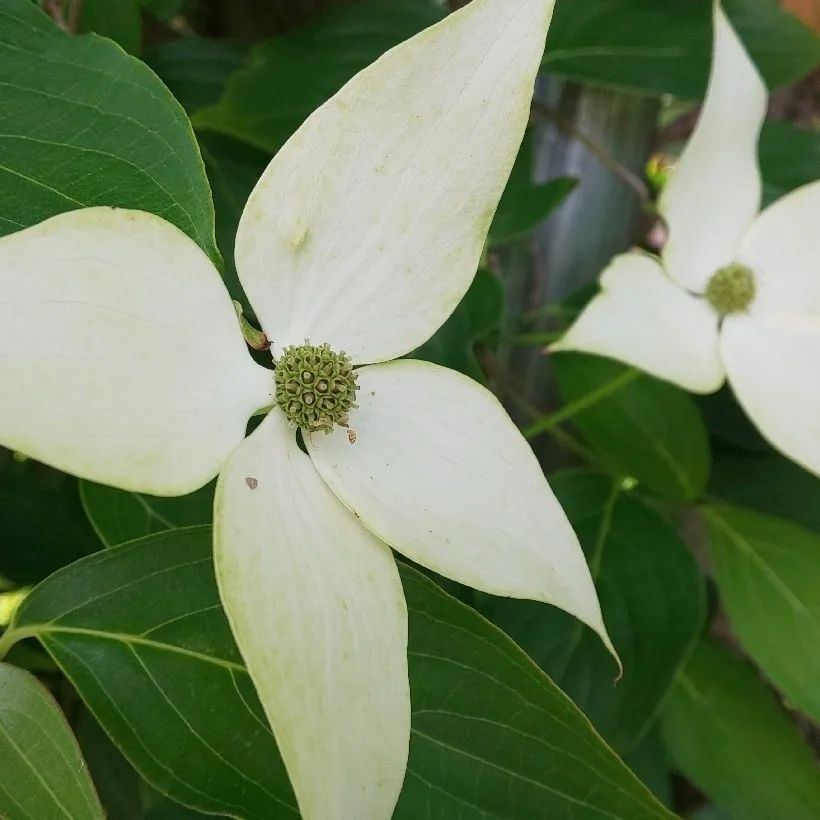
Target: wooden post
601,218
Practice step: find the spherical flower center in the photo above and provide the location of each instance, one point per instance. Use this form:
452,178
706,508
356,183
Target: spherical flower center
731,290
315,386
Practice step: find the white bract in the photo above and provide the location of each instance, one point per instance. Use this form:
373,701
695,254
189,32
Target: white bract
736,293
122,362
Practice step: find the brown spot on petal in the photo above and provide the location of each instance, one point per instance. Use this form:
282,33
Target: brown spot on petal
252,482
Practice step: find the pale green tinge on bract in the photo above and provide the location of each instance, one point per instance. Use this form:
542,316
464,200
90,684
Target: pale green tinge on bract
440,472
366,229
123,349
318,611
772,350
643,318
714,191
315,387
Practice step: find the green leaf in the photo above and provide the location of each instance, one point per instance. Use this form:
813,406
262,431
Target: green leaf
492,735
649,761
640,44
789,158
727,734
168,810
195,69
524,204
119,20
124,794
640,426
768,573
476,318
42,524
43,774
666,47
119,786
711,812
522,209
139,631
233,169
782,47
266,100
84,124
119,516
728,425
769,484
653,603
161,9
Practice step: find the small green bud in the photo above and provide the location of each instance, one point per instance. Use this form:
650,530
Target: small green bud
253,338
731,290
315,386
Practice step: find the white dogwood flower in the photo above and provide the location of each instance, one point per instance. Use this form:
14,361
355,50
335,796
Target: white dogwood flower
122,362
736,293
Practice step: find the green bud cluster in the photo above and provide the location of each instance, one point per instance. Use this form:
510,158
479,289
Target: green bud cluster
315,386
731,289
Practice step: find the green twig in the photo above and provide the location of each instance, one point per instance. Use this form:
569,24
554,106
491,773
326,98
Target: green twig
533,339
552,311
547,424
561,436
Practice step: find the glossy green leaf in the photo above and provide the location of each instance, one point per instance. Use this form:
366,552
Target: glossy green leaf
195,69
119,516
476,318
267,100
639,44
711,812
492,735
124,794
653,603
782,47
650,762
666,47
725,731
233,170
119,786
641,427
789,158
42,523
84,124
168,810
42,773
522,209
525,204
139,631
769,484
119,20
768,572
